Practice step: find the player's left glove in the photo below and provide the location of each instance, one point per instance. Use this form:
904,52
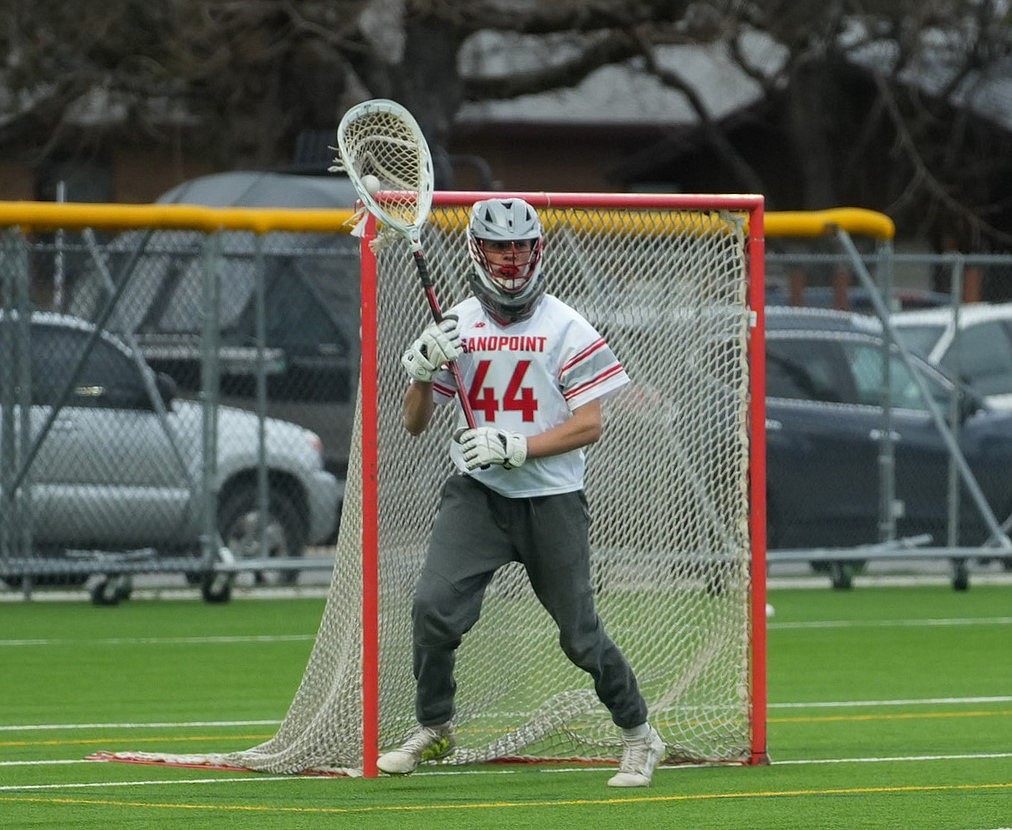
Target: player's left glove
485,446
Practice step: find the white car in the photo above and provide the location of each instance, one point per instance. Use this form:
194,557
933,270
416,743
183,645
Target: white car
980,356
115,462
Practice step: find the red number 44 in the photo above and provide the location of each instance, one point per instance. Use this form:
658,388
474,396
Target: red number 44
517,398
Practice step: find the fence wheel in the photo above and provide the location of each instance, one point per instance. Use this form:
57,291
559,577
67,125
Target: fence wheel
112,590
960,576
216,588
842,576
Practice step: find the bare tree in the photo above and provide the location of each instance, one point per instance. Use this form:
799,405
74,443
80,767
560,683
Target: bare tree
876,98
927,142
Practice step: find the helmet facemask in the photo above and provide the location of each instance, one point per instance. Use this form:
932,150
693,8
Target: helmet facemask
505,242
510,265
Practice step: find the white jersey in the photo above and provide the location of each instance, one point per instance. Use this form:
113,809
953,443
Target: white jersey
528,377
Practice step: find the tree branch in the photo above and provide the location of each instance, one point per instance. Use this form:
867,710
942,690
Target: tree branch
600,50
923,180
719,142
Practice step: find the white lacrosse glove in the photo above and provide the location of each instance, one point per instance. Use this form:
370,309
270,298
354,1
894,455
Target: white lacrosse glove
485,446
435,347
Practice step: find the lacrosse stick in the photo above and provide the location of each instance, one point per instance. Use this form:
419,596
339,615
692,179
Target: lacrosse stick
382,150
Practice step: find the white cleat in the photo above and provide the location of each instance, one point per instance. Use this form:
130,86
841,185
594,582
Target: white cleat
427,743
639,759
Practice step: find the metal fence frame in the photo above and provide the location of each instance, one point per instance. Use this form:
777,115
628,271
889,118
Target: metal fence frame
114,571
841,563
215,561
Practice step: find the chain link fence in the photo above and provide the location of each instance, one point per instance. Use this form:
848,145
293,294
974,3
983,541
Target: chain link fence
890,431
181,400
183,403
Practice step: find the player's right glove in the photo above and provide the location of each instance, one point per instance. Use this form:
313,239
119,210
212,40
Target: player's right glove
434,348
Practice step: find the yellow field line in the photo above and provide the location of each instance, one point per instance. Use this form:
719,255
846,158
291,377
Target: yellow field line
891,716
486,805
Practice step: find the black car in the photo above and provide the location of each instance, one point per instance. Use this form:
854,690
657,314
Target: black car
826,424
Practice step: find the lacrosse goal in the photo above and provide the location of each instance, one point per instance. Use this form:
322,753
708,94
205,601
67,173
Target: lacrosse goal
675,283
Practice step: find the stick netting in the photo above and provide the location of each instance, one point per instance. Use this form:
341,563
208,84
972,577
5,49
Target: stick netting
668,493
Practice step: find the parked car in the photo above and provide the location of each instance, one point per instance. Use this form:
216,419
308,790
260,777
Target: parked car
980,356
825,425
311,302
120,467
821,296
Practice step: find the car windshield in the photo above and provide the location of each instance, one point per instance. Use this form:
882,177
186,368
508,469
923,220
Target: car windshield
866,365
920,338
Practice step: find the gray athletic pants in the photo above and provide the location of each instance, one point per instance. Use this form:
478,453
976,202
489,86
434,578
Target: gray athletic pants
477,531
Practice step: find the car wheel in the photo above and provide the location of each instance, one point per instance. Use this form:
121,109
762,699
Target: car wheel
285,530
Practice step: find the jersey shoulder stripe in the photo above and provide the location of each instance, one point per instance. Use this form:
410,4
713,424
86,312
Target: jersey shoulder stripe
615,371
583,354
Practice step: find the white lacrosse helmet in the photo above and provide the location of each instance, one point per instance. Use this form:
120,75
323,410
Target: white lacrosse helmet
509,284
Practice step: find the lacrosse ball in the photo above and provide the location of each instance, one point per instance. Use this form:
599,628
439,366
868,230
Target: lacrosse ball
371,184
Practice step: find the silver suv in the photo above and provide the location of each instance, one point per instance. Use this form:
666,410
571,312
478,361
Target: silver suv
119,465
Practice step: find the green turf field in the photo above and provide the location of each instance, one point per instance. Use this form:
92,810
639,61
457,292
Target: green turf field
889,708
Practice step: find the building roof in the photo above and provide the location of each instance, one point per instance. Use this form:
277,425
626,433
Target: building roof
626,95
621,94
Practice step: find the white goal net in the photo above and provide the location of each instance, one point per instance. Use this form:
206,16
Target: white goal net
670,284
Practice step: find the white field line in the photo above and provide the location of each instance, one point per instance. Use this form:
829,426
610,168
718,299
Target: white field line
292,638
30,727
257,779
842,704
825,704
100,784
884,580
163,641
954,621
980,756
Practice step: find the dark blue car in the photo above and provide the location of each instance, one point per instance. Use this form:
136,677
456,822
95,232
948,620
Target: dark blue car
826,425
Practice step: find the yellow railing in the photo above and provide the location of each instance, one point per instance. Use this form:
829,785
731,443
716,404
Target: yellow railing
856,221
42,216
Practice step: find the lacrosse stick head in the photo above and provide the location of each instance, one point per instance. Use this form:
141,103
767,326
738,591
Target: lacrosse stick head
381,138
